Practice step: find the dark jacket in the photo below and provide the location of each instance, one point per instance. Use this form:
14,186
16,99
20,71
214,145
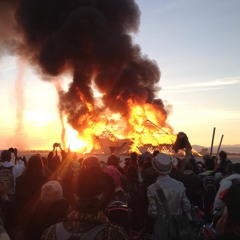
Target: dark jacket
43,217
227,237
193,187
27,187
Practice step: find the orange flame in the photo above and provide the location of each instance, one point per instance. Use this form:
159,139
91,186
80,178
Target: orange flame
144,125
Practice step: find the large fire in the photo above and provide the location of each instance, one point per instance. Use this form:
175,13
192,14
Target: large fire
143,126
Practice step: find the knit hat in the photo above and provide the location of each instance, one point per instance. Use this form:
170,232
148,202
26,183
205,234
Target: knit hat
51,192
114,174
95,190
162,163
5,156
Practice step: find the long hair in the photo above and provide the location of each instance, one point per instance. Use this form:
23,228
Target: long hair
34,166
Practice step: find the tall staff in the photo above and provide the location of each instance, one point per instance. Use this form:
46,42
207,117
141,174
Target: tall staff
219,148
213,135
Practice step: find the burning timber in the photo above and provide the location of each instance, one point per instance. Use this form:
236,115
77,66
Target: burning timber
108,143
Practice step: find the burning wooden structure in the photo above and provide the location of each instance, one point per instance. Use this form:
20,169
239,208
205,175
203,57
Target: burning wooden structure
108,143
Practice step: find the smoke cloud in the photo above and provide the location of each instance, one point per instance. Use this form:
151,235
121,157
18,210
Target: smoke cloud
91,40
9,32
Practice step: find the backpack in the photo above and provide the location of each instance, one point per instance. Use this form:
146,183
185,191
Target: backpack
119,213
62,234
7,177
209,186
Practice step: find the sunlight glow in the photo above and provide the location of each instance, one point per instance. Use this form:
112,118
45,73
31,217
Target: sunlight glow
40,118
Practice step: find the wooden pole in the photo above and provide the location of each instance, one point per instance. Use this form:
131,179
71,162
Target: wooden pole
156,126
219,147
213,135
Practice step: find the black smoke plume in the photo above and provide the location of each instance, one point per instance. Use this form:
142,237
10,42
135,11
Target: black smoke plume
91,39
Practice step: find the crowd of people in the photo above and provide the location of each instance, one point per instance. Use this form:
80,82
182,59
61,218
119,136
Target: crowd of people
149,196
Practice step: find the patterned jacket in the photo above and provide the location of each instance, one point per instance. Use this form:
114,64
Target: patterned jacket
174,192
176,203
71,227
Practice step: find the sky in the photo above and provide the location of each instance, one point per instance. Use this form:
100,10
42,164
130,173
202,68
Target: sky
196,46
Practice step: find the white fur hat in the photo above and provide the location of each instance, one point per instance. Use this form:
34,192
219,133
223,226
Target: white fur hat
163,163
51,191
